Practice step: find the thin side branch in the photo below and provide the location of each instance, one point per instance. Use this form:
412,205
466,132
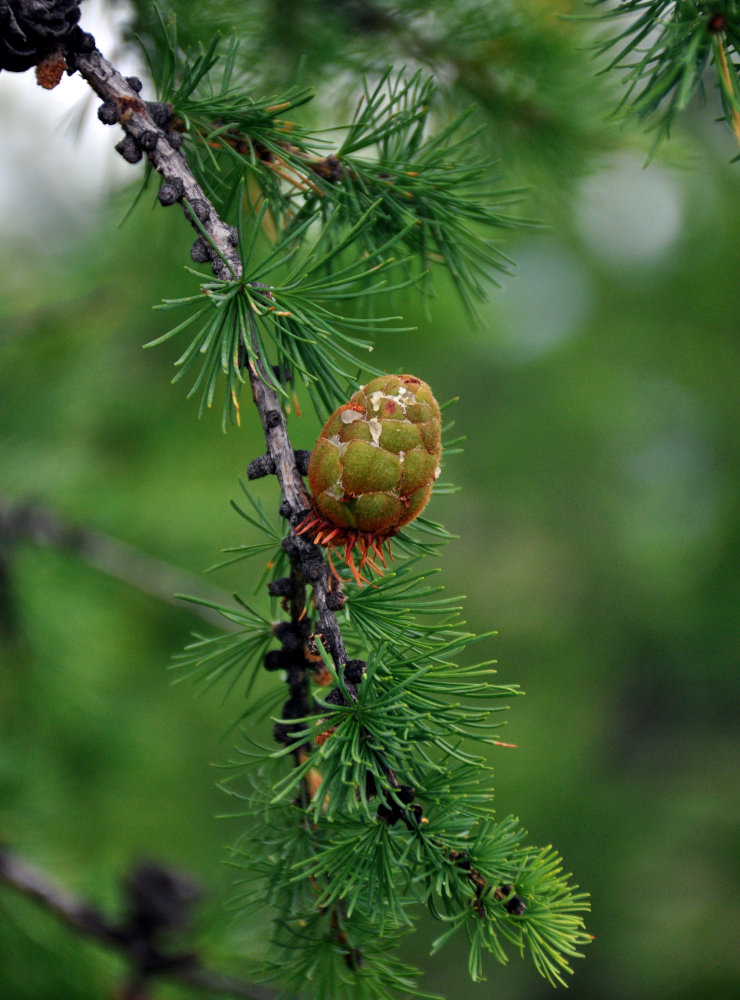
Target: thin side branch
27,522
78,915
162,148
91,922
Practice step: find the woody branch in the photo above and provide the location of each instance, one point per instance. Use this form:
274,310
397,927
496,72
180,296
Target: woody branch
157,899
147,131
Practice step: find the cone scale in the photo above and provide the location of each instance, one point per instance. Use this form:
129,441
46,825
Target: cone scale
373,468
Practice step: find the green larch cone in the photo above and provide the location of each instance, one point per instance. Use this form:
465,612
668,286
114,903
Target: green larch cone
374,465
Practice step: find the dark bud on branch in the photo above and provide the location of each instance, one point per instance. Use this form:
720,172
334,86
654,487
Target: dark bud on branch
314,566
134,83
221,270
175,140
159,899
410,813
406,794
514,904
200,251
335,697
352,674
302,458
282,733
354,671
389,815
260,467
161,113
277,659
108,113
265,465
197,207
171,191
281,588
285,510
335,600
129,149
148,140
309,556
290,636
330,168
290,544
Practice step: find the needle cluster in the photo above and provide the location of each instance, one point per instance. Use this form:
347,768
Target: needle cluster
323,232
667,49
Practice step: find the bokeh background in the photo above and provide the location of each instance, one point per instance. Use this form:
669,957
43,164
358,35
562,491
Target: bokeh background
598,517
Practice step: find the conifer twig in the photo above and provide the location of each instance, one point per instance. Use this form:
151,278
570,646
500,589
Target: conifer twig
88,920
144,133
30,522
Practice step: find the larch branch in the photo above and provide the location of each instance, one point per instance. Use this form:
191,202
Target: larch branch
161,146
89,921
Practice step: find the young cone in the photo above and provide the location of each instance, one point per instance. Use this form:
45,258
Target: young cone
373,468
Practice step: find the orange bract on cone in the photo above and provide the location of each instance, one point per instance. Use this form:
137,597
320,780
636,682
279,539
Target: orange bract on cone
373,467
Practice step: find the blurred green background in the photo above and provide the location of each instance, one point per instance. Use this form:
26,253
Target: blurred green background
598,527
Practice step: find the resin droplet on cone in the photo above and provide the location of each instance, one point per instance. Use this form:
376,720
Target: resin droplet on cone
373,467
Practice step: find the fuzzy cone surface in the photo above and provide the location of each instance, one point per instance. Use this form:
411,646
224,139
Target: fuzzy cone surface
376,460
